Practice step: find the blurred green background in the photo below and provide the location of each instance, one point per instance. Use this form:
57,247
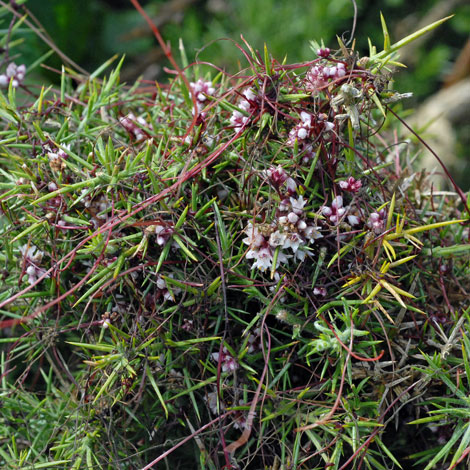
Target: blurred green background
91,31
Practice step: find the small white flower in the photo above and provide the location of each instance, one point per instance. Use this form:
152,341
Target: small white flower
282,258
238,120
293,241
337,202
161,284
264,259
298,204
32,254
277,238
306,118
353,220
312,233
31,271
291,185
320,291
32,257
254,238
249,94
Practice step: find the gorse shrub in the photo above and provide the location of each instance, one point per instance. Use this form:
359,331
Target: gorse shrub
227,272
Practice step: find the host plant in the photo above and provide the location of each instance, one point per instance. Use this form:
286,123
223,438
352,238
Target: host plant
227,271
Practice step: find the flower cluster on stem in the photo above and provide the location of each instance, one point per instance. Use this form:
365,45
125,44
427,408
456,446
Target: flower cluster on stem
134,125
249,103
15,74
228,362
290,230
32,257
377,221
201,90
165,291
319,76
336,212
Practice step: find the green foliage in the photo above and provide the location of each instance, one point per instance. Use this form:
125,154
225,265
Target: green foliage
226,270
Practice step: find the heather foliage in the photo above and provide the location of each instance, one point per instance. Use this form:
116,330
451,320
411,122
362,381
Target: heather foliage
240,271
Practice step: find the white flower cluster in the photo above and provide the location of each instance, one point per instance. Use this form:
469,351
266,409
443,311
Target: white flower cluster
249,103
302,130
351,184
290,230
336,212
377,221
165,291
15,73
319,76
32,257
201,88
309,127
278,176
57,157
228,362
134,125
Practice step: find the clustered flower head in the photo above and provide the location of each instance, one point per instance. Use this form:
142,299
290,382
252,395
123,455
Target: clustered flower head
187,325
308,128
201,88
278,176
377,221
57,156
134,125
162,231
336,212
228,362
290,230
249,103
319,76
32,257
351,184
323,52
302,130
15,74
262,248
165,291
